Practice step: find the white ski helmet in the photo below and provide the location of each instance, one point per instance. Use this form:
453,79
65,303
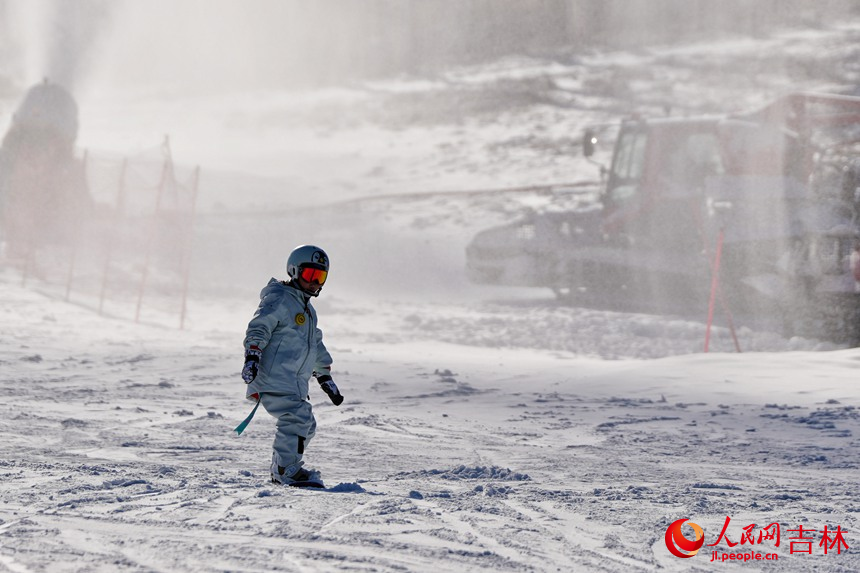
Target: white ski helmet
308,257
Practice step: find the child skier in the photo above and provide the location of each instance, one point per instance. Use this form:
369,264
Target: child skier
283,350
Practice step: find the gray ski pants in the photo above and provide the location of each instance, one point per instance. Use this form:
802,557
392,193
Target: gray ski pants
295,428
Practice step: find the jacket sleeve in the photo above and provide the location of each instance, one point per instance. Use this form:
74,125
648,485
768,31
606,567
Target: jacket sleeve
268,316
323,363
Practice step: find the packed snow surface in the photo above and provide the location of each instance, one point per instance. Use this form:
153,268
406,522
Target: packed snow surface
457,448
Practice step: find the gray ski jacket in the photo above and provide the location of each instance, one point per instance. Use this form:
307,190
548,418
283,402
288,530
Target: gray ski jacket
285,329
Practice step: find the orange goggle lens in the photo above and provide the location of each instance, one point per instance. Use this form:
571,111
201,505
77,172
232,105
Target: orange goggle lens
313,275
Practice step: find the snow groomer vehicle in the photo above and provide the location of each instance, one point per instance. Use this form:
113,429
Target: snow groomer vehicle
758,213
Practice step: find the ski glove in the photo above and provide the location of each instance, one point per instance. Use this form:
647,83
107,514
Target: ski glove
252,361
330,388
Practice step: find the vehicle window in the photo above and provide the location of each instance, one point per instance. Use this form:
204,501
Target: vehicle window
630,157
690,159
628,167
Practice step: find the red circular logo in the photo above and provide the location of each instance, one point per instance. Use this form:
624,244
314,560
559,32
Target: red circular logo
679,545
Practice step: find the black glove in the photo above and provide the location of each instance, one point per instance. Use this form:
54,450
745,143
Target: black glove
330,388
252,360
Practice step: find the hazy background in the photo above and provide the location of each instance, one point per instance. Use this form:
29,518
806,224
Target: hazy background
122,58
231,45
140,70
289,104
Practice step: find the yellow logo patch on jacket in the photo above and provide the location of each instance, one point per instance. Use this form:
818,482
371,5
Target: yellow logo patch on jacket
300,318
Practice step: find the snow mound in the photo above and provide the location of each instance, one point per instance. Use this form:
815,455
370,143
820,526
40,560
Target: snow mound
347,488
466,473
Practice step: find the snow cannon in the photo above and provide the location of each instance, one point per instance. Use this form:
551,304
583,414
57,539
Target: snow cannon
43,188
48,112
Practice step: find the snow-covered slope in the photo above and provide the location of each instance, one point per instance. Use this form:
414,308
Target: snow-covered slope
460,445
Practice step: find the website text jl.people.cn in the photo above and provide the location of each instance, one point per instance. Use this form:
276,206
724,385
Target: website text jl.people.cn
749,556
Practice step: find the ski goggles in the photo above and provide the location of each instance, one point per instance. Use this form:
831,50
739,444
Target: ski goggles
311,275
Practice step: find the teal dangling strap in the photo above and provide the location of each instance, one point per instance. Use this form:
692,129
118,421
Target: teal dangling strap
241,427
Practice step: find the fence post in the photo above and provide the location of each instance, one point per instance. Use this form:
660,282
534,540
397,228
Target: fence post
729,319
76,237
165,173
120,208
186,271
715,285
